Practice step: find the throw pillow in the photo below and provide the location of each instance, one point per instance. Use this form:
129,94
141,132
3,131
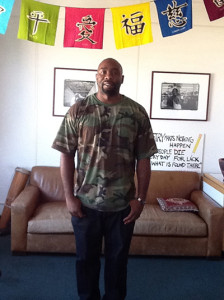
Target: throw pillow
177,204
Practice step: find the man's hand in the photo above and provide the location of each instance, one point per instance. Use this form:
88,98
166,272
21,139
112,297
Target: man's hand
136,210
75,207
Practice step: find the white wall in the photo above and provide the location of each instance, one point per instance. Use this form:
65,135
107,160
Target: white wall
27,127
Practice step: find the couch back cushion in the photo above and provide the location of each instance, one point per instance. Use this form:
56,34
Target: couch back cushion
167,184
48,180
163,184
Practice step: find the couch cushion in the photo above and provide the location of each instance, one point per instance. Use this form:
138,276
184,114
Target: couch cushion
51,217
153,221
48,180
177,204
167,184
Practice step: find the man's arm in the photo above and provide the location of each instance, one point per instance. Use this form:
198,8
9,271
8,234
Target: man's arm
67,168
143,172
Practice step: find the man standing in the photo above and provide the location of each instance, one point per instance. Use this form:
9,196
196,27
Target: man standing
113,139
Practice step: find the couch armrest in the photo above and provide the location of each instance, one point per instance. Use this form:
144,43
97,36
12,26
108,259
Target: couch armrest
213,215
21,210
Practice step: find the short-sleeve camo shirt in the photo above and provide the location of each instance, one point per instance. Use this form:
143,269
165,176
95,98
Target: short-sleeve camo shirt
108,140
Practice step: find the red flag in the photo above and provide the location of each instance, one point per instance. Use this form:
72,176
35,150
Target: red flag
84,27
215,9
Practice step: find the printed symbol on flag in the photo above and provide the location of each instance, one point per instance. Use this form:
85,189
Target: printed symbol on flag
37,17
2,9
136,19
175,15
218,3
87,29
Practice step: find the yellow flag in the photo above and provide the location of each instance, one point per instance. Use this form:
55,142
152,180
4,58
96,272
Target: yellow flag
132,25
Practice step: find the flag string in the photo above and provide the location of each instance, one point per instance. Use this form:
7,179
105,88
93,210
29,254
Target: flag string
64,6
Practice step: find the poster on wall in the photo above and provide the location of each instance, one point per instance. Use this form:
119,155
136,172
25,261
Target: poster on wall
70,86
178,152
180,96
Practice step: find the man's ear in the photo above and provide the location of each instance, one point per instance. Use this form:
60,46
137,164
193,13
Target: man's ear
122,79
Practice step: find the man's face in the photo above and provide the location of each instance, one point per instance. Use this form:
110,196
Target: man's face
109,77
175,92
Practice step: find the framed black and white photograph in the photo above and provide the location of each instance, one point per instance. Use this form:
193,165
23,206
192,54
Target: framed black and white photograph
70,86
179,96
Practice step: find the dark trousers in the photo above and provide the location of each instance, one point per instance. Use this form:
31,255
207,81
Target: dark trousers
89,232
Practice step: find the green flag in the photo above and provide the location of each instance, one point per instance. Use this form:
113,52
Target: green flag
38,22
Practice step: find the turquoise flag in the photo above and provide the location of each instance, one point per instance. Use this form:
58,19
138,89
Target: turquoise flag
5,13
38,22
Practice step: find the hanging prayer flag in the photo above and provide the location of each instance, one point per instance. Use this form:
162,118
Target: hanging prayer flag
174,16
84,27
5,12
215,9
38,22
132,25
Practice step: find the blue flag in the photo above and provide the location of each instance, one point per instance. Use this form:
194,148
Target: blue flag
174,16
5,12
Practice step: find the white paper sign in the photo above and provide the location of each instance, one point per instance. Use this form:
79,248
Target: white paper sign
177,151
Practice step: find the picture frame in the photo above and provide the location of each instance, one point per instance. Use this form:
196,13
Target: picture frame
179,96
70,86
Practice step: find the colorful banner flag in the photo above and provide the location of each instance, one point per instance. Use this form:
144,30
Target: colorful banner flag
5,13
132,25
215,9
38,22
174,16
84,27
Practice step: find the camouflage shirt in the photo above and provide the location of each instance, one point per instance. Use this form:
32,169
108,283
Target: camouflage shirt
108,139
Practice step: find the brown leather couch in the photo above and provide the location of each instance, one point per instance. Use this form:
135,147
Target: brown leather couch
40,221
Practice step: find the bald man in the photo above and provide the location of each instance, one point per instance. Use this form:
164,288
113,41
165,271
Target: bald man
113,139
